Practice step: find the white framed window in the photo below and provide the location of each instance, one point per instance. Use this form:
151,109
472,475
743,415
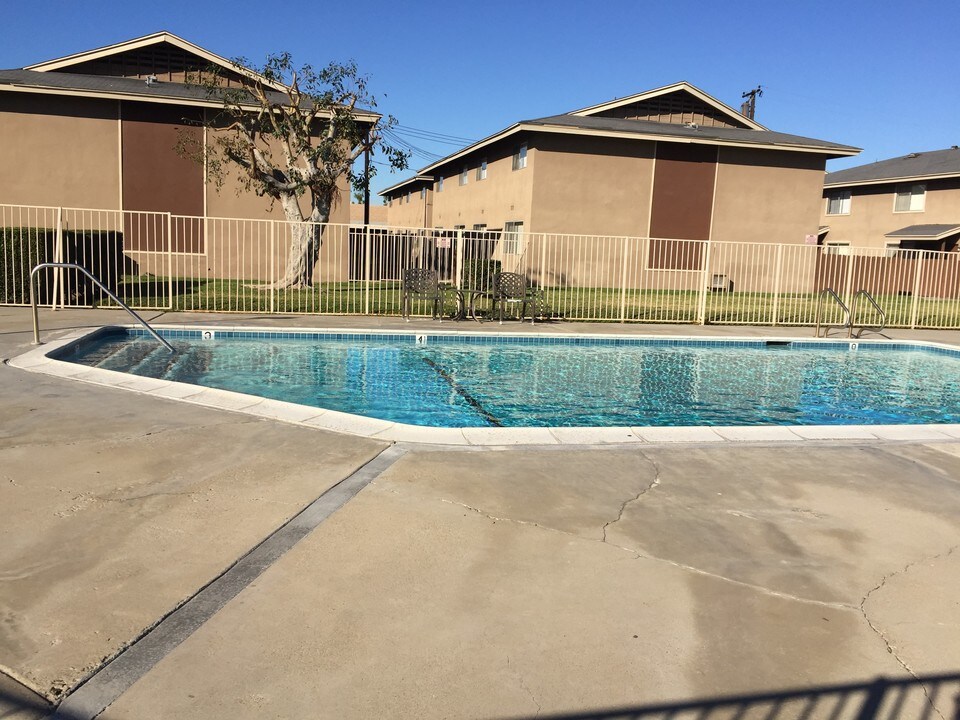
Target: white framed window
480,227
440,183
910,198
465,175
838,202
836,248
891,248
482,170
513,238
520,158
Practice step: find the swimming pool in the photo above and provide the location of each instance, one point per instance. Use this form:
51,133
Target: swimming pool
460,380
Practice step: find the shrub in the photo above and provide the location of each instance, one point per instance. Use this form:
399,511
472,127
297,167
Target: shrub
22,248
478,274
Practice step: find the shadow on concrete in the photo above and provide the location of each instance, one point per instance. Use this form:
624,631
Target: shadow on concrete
18,701
929,696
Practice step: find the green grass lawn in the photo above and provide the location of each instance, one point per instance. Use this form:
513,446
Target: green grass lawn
594,304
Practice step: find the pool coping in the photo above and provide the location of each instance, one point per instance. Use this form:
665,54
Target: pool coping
39,360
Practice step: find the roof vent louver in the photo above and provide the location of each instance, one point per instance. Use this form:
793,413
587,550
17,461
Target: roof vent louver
913,155
692,125
152,80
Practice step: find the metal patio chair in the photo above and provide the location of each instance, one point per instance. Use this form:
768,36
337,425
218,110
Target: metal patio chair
511,289
422,284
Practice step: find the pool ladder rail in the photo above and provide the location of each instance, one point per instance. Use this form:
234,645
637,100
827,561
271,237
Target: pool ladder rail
118,301
850,313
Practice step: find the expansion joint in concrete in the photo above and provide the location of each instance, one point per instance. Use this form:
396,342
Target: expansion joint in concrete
108,683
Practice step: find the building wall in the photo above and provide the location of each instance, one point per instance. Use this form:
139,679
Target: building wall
417,213
872,215
589,185
67,152
767,196
504,196
378,213
59,151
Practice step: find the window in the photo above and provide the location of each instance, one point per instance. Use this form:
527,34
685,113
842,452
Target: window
513,238
838,203
891,248
520,159
836,248
482,170
910,198
480,227
440,184
464,175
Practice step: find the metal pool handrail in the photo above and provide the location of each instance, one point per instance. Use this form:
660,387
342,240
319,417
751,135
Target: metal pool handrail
829,292
876,306
118,301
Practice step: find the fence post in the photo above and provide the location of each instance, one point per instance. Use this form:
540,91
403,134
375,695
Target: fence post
776,283
705,283
169,261
624,255
458,262
273,266
367,274
917,277
58,281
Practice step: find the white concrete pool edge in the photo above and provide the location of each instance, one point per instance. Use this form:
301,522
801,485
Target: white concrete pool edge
38,360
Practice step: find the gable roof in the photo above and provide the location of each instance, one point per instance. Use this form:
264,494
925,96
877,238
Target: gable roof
154,40
682,87
915,166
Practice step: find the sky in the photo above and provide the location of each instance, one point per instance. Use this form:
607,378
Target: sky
878,75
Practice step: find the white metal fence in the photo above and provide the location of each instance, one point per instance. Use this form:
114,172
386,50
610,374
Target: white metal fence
162,261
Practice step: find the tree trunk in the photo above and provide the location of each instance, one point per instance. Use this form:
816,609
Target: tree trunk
305,241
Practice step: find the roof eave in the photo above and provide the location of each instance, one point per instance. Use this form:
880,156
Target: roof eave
363,116
895,235
841,151
408,181
888,180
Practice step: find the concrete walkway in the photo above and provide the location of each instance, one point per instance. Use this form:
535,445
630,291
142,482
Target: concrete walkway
486,583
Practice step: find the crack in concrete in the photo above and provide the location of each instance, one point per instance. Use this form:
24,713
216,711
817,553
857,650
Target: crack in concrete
635,498
879,633
526,689
639,555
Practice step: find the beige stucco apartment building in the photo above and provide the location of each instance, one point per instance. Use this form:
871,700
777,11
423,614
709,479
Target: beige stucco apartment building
667,163
904,203
98,129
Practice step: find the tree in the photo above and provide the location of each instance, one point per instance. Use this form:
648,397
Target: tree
297,146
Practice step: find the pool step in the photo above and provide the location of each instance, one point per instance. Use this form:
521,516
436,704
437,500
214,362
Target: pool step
124,357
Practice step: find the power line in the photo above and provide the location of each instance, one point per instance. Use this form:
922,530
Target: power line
433,134
414,149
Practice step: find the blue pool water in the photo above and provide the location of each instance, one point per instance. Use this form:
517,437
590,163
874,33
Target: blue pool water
459,381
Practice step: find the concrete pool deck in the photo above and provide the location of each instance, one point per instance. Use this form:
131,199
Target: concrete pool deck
459,582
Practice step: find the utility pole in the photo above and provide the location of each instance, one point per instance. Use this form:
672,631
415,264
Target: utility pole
366,184
749,107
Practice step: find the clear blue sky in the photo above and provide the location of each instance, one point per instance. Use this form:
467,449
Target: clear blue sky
879,75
